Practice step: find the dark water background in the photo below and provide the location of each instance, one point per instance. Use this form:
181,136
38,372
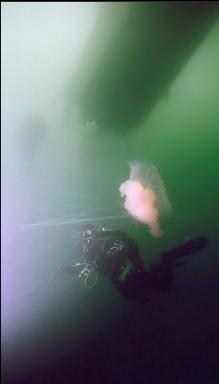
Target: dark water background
59,172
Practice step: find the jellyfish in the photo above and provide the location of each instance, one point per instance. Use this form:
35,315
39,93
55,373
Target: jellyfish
145,196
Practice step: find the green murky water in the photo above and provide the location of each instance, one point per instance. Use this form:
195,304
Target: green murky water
60,171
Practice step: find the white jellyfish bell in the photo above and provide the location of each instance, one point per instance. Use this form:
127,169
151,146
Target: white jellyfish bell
145,196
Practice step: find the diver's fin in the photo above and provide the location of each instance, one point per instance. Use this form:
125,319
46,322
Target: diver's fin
185,249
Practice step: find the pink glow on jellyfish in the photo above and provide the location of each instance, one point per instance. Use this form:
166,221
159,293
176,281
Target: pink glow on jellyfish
145,196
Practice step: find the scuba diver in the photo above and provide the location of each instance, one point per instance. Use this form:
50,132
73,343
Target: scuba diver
106,251
115,255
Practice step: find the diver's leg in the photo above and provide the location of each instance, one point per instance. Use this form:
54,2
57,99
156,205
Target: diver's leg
160,277
185,249
161,274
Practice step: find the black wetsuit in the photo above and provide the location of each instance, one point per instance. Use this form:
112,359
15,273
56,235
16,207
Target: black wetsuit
107,251
142,284
110,250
